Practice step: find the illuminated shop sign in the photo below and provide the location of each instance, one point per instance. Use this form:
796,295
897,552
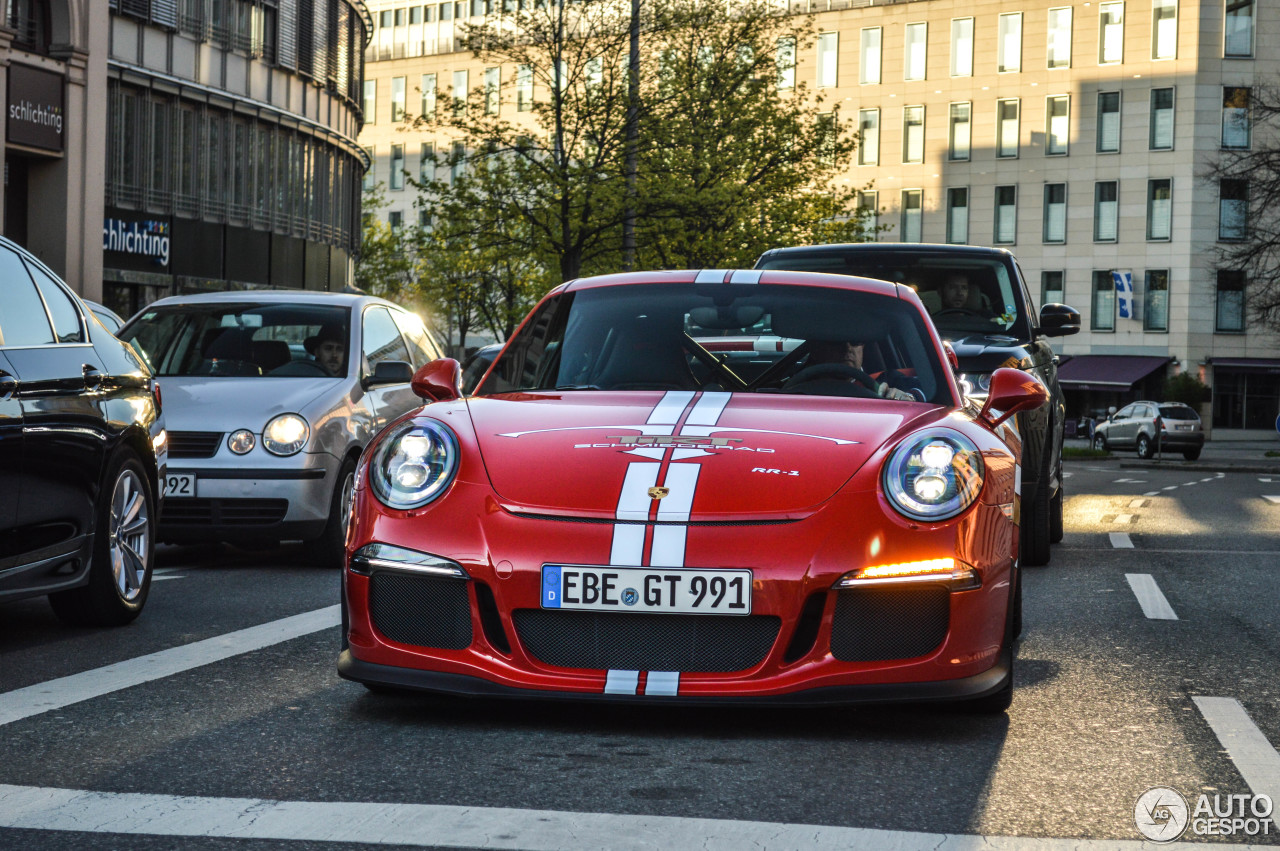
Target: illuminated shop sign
36,108
145,238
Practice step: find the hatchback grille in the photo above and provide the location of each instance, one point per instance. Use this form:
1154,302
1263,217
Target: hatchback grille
424,611
877,624
194,444
646,642
224,512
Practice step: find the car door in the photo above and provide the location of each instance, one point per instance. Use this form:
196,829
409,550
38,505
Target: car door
10,454
1124,427
380,341
65,434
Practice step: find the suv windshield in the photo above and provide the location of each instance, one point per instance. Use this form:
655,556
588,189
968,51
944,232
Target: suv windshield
965,293
1178,412
243,340
763,338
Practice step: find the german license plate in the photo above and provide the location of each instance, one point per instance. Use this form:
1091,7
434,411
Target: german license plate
646,589
180,484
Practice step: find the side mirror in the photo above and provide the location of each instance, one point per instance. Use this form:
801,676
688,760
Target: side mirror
1012,390
439,381
1059,320
389,372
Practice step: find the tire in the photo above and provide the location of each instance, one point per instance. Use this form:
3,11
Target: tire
329,549
1055,515
1144,446
1191,454
1099,443
123,551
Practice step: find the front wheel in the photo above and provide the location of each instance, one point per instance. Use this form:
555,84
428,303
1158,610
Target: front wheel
329,550
1099,443
123,550
1191,454
1144,446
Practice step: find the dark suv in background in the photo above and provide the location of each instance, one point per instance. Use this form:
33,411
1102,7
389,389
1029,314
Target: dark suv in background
980,303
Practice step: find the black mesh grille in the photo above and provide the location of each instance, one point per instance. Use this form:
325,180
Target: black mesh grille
646,642
875,624
224,512
421,610
194,444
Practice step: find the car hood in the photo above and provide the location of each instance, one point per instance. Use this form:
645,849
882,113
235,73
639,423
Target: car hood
199,403
594,454
987,352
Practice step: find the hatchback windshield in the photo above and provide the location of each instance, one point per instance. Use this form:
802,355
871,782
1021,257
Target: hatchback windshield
243,340
762,338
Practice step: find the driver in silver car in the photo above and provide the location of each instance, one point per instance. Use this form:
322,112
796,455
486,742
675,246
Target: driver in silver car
328,347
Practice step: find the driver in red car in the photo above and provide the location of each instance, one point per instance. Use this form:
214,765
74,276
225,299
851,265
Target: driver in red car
894,385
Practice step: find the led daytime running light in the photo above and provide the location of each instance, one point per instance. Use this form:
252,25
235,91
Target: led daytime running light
955,575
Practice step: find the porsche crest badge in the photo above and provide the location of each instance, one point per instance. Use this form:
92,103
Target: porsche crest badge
658,492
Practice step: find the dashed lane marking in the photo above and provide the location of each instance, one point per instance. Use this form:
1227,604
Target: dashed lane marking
1170,488
1120,540
1129,482
64,691
1123,519
166,576
1152,493
1150,598
1254,756
1138,503
1275,499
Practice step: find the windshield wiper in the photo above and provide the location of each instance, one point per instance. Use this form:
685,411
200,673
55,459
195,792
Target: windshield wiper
578,387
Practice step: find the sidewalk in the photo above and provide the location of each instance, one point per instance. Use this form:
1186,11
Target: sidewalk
1242,456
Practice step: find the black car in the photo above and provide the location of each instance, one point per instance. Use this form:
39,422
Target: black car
477,364
979,301
82,447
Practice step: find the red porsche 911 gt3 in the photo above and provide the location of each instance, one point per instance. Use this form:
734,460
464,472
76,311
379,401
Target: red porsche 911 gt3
734,486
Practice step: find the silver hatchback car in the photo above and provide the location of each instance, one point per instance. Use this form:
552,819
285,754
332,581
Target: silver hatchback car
269,397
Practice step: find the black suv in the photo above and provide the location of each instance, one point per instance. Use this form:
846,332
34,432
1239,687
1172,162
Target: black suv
82,448
980,303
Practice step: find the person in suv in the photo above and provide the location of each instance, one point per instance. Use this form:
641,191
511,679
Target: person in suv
979,301
1151,427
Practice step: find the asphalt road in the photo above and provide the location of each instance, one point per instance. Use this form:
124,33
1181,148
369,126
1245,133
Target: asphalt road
1109,702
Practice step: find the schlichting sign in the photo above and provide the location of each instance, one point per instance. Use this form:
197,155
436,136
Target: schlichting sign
150,239
36,109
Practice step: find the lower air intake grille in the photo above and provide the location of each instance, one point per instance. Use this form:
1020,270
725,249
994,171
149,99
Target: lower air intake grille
223,512
194,444
877,624
421,610
646,642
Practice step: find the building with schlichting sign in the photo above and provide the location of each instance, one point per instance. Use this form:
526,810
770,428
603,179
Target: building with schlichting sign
1075,134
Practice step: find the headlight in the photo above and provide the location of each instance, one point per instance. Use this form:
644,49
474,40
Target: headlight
414,464
241,441
286,434
975,383
933,475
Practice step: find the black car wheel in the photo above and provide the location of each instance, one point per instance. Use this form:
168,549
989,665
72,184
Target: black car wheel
1055,514
1036,527
123,547
1144,446
1191,454
329,550
1099,443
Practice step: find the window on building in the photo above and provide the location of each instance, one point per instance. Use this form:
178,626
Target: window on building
1164,29
395,218
370,176
459,92
1110,33
916,48
869,56
492,87
396,174
1051,288
1108,122
1009,48
913,134
1060,37
958,137
1236,132
446,11
415,14
427,162
1006,230
912,211
400,17
424,218
384,19
1230,300
457,161
1155,297
397,98
428,88
1055,212
869,210
828,59
1233,210
1105,213
1103,317
826,131
1238,40
1160,208
370,101
958,215
962,47
869,129
1057,124
1161,129
786,61
524,88
1007,123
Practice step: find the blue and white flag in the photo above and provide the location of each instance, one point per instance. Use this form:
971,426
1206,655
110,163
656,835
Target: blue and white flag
1124,293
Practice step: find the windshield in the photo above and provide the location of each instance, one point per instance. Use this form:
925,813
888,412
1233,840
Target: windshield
964,293
243,340
763,338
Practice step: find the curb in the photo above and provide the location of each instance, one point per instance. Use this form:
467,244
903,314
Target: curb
1211,467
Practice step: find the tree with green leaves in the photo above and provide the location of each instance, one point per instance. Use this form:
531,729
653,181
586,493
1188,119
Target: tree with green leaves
387,264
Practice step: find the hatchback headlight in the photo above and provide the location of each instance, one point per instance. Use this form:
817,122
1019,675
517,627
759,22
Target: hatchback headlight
285,434
933,475
414,464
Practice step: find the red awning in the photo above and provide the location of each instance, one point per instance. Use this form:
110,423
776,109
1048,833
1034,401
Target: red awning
1107,372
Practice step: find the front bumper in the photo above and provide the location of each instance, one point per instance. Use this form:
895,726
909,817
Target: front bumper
1174,440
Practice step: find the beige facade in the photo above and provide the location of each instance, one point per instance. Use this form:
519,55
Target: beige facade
1114,184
